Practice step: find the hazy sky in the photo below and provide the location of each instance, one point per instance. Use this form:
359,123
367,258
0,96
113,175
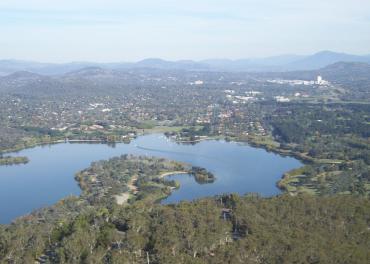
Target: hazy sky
120,30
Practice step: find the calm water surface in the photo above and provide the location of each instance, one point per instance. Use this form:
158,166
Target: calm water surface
49,176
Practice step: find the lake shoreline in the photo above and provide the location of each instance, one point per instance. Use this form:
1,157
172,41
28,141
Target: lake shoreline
171,173
249,141
179,153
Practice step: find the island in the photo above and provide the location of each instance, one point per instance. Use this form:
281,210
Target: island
201,175
129,178
8,160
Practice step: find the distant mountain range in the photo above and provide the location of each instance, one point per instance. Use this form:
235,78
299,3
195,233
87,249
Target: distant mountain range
354,76
270,64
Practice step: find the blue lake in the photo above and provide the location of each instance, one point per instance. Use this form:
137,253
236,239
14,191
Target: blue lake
49,176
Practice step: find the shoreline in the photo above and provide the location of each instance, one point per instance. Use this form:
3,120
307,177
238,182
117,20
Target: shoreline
122,198
166,174
58,141
248,141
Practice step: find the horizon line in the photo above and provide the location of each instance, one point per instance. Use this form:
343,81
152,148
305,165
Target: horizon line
181,60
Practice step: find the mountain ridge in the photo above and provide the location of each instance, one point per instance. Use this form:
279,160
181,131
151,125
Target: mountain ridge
280,63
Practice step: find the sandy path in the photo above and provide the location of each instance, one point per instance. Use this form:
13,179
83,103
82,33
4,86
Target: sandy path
123,197
131,184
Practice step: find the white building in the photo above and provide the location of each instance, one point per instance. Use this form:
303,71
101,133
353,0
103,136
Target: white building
282,99
319,79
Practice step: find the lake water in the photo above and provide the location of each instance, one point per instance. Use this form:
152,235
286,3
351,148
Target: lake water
49,176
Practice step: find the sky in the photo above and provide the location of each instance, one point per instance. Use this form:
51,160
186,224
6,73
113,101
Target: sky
120,30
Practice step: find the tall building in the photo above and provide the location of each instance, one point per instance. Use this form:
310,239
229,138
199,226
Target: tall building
319,79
